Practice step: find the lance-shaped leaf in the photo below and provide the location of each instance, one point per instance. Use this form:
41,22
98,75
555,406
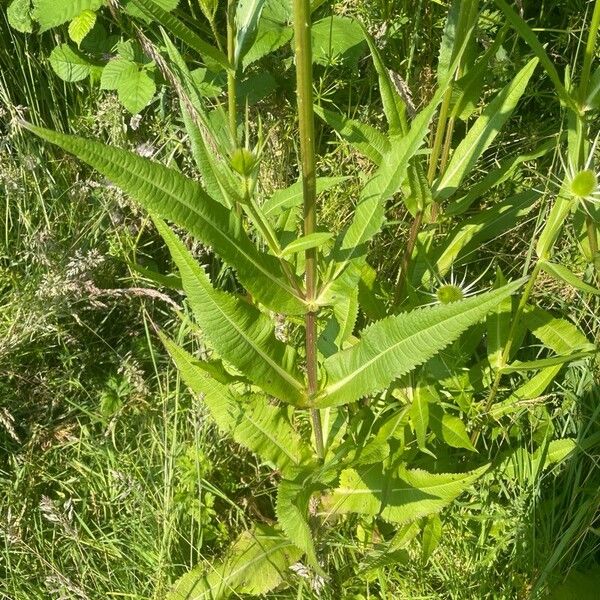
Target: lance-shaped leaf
483,132
238,331
247,17
252,422
292,515
172,196
181,31
395,345
562,273
409,496
255,564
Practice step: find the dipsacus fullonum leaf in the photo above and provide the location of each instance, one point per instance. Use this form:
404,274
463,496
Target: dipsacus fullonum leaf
407,496
238,331
395,345
251,421
171,195
255,564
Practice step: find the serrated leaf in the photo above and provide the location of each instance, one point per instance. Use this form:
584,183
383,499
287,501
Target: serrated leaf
171,195
292,516
51,13
292,196
18,14
136,11
393,106
449,429
136,90
369,141
247,17
182,32
238,331
410,496
395,345
256,563
68,64
252,422
116,71
81,25
483,131
557,334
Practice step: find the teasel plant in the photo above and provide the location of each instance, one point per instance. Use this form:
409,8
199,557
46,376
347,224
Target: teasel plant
381,425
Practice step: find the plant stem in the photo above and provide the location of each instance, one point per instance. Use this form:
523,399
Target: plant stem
590,49
509,342
231,75
306,122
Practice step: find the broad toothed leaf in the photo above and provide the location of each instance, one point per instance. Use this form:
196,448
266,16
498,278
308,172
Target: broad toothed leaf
395,345
262,428
255,564
172,196
51,13
409,496
292,515
238,331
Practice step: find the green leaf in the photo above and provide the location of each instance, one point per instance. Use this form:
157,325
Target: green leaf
593,97
68,64
313,240
393,106
169,194
419,416
292,196
182,32
81,25
485,225
498,326
116,71
292,516
557,334
561,273
531,365
369,141
51,13
432,535
238,331
410,496
531,39
554,223
140,13
396,345
273,31
483,132
247,17
18,14
336,39
458,28
256,563
252,422
136,90
449,429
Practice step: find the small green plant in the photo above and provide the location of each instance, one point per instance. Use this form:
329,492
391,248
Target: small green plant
366,423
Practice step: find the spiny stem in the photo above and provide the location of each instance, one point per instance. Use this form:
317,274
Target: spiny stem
231,75
306,122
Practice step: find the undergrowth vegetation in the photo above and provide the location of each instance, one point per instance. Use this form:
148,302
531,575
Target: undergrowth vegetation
299,299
